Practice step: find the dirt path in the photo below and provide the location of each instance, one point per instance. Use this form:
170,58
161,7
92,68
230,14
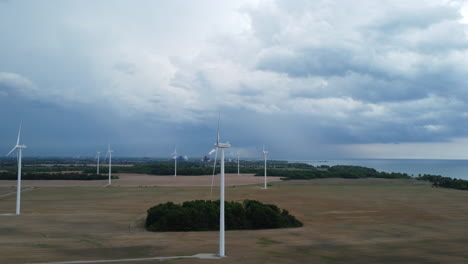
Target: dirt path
23,190
197,256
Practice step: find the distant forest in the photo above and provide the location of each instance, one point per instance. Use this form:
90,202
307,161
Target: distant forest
289,171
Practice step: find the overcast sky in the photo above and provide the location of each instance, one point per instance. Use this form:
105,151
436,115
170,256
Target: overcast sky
308,79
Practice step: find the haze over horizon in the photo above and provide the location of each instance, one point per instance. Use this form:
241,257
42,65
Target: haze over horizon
308,79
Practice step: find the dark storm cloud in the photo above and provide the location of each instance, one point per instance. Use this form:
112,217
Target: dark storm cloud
293,75
310,62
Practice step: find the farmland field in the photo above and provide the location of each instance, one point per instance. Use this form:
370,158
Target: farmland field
345,221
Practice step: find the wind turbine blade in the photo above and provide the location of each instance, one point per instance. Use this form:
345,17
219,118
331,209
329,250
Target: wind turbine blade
19,133
212,176
107,154
11,151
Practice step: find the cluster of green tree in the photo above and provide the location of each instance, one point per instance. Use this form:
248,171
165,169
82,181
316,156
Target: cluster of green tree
161,168
55,176
183,168
339,171
200,215
446,182
199,168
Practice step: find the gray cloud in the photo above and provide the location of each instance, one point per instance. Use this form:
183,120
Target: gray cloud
290,73
127,68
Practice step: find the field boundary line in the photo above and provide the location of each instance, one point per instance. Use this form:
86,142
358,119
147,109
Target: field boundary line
198,256
25,190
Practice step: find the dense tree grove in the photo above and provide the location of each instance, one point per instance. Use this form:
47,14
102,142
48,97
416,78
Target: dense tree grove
195,168
201,215
55,176
439,181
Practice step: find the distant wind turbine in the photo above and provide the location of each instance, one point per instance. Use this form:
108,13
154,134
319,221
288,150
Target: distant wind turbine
265,154
98,155
174,156
221,146
19,150
109,153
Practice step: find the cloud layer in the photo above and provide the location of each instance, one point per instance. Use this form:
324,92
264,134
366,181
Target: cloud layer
322,72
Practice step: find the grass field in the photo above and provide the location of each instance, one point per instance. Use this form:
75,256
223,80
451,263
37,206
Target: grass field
345,221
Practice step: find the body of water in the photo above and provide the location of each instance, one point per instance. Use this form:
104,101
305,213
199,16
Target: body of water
448,168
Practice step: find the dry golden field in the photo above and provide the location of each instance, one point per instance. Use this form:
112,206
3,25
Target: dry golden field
345,221
135,180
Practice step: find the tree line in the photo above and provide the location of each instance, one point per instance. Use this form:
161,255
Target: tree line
338,171
446,182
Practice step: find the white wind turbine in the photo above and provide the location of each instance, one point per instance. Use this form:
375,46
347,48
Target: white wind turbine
174,156
109,153
98,155
221,146
19,148
265,154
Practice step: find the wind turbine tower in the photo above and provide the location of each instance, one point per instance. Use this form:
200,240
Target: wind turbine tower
265,154
98,155
222,146
174,156
109,153
19,150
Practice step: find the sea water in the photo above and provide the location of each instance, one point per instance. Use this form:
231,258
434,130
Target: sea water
447,168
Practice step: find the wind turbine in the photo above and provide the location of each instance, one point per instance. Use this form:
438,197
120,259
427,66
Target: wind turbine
174,155
221,146
265,154
19,150
98,155
109,153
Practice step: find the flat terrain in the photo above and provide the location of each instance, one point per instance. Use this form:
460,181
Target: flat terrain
345,221
129,179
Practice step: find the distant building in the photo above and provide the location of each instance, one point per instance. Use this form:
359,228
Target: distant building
182,158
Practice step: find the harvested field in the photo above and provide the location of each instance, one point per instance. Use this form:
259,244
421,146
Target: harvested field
5,190
345,221
151,180
148,180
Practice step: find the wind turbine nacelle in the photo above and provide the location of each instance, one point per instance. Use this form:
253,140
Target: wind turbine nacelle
223,145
